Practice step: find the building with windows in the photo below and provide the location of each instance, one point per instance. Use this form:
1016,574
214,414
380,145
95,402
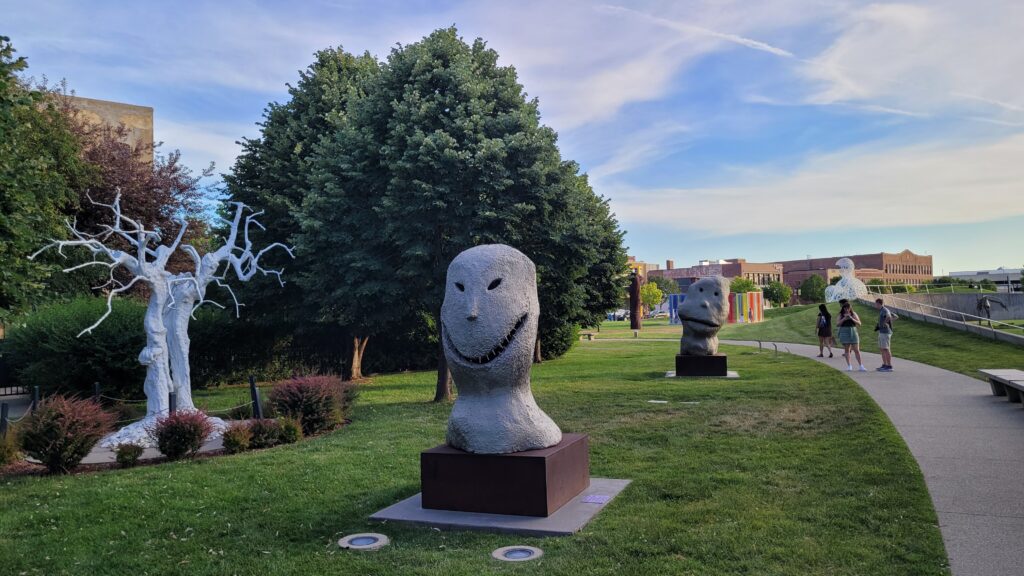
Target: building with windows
760,274
1005,279
891,268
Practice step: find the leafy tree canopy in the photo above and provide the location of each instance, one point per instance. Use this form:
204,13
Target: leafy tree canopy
813,289
666,285
740,284
778,293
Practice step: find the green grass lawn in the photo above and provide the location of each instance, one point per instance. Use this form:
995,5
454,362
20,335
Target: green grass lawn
791,470
936,345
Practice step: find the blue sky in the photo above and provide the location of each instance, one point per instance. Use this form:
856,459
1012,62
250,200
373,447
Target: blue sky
764,130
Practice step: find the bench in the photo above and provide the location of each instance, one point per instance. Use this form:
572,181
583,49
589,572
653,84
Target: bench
1009,383
586,335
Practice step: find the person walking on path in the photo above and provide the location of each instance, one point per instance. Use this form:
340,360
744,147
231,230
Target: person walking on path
849,337
824,329
884,329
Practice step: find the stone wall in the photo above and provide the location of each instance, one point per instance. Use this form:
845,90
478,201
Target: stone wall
138,119
973,328
962,303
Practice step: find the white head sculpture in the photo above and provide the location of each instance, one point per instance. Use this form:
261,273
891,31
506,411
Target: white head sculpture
702,313
848,287
489,329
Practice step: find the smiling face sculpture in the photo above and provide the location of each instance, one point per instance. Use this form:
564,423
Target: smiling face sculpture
488,329
703,312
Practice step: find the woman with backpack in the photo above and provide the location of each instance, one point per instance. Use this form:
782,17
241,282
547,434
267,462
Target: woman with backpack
824,329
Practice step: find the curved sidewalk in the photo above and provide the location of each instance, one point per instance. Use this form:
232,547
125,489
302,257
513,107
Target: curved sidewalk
970,446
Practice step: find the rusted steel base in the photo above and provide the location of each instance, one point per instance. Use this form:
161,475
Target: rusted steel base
701,365
531,483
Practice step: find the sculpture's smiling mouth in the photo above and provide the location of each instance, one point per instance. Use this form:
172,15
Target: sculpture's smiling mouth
494,352
699,321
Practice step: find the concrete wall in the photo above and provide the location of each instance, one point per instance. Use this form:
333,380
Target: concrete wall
973,328
964,303
137,119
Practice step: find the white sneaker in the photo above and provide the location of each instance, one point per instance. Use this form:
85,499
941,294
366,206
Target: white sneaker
849,368
862,368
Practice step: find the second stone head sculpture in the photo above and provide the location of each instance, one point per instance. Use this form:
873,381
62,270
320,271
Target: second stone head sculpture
489,330
702,313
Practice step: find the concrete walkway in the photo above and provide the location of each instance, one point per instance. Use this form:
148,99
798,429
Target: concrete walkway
970,446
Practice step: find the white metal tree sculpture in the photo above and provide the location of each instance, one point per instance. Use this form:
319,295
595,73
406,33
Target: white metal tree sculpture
148,265
188,291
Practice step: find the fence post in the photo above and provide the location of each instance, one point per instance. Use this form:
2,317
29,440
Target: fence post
3,419
257,406
172,402
96,391
35,398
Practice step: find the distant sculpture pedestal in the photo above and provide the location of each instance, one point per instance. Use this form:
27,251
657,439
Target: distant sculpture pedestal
691,365
529,483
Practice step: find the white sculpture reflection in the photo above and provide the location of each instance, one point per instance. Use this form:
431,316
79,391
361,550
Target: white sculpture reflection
848,287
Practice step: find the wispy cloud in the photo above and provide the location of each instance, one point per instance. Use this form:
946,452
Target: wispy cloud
641,149
853,189
699,30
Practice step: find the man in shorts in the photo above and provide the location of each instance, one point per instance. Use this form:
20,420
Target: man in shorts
884,329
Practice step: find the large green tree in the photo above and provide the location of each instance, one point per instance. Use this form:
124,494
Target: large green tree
272,174
442,151
40,172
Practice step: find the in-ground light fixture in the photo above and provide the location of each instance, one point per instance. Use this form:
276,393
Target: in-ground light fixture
365,541
517,553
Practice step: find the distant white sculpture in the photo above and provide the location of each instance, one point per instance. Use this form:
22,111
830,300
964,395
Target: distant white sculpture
703,312
173,298
848,287
489,328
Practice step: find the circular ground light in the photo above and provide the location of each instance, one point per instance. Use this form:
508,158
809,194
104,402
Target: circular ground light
517,553
365,541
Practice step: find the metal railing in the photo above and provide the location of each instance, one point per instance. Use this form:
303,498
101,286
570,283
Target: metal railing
948,314
928,288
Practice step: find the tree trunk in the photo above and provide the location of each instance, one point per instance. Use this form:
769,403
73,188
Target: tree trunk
443,391
358,347
537,357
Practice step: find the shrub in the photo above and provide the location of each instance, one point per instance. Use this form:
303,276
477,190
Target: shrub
8,448
266,433
291,430
62,431
44,348
237,437
315,401
128,454
181,435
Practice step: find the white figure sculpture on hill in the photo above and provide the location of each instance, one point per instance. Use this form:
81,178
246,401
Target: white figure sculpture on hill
489,328
848,287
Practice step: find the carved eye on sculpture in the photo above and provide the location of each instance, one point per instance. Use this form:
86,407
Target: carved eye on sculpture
460,287
494,284
701,289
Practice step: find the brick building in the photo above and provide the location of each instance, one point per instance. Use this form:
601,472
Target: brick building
760,274
899,268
